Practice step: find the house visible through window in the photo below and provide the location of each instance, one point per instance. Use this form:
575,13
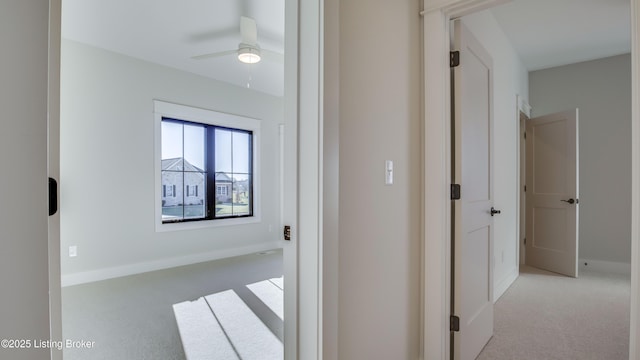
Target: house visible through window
197,157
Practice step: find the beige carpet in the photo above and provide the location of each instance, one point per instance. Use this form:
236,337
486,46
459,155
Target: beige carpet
132,317
545,316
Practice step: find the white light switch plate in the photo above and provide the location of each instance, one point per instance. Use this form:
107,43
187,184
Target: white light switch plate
388,170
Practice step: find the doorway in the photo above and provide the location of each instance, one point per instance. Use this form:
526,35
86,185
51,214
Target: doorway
284,197
437,122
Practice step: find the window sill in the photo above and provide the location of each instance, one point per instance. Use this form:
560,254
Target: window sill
193,225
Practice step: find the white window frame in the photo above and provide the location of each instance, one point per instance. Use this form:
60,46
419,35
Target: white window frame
221,190
210,117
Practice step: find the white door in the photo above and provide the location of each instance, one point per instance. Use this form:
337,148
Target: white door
552,193
473,218
24,269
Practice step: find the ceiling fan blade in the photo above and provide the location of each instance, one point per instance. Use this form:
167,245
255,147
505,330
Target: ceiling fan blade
272,56
214,55
249,30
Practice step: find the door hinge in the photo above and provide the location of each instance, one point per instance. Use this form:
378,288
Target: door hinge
525,241
455,191
287,232
454,323
454,58
525,188
525,135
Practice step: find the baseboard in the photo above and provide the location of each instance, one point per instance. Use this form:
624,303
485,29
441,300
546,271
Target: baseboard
604,266
138,268
501,286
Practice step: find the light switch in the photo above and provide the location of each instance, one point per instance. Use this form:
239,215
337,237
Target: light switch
388,167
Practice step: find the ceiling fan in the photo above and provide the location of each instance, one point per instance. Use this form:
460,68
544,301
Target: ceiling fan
248,50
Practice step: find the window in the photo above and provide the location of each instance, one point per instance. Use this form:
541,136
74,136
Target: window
168,190
196,155
192,190
206,166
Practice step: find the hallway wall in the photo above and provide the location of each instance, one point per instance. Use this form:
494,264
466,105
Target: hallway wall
372,113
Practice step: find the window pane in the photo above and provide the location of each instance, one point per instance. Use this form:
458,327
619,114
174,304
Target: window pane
194,195
194,140
224,185
172,190
241,195
223,151
171,146
241,152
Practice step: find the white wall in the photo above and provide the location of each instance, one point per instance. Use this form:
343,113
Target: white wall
510,79
107,127
372,114
601,89
24,304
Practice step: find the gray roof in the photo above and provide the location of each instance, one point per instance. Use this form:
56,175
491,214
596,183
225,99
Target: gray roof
173,163
222,177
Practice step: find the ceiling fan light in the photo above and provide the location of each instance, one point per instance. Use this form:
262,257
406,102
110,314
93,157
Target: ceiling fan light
249,55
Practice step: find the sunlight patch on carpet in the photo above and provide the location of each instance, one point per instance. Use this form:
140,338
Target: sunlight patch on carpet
221,326
271,294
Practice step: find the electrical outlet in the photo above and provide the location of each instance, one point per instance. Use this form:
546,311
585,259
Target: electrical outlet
73,251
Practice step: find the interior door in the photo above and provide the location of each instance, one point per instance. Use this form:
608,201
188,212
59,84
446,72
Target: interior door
473,217
552,193
24,259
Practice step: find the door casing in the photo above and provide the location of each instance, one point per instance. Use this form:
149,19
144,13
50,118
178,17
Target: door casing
437,173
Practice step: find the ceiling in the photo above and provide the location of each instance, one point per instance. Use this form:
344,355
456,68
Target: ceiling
170,32
546,33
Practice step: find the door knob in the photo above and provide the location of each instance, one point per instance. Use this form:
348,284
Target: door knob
570,201
494,211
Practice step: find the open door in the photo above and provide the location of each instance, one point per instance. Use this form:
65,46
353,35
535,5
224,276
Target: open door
473,213
552,193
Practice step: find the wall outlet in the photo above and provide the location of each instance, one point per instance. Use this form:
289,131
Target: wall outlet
73,251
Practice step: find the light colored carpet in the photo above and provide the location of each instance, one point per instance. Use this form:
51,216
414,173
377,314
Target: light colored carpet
132,318
221,326
546,316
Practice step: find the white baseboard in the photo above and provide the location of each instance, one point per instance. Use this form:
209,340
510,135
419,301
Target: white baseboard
604,266
501,286
138,268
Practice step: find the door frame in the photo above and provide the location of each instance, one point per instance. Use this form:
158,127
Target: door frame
523,109
437,173
302,79
53,164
